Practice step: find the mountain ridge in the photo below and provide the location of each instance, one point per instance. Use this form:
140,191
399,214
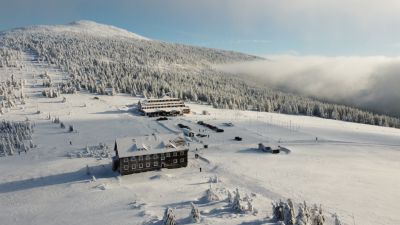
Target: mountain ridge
85,27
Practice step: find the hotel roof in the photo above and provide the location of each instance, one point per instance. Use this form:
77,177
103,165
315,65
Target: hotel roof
150,144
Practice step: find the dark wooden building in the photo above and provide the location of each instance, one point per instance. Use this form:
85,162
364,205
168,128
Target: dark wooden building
147,153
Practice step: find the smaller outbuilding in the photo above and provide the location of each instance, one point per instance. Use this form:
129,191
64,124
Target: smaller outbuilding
270,148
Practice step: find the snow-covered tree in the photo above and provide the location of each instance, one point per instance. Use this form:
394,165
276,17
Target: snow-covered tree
277,210
195,213
211,195
250,207
317,217
169,217
237,204
288,213
303,215
230,197
337,221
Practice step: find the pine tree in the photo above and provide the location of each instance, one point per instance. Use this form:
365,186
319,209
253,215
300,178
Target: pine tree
211,195
337,221
169,217
317,217
237,205
288,213
195,214
303,216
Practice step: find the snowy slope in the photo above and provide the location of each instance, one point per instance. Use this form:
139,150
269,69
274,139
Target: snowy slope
352,169
84,27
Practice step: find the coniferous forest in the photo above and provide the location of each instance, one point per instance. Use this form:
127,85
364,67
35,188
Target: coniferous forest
153,68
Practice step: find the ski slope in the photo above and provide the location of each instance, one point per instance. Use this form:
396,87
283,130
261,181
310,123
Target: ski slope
351,169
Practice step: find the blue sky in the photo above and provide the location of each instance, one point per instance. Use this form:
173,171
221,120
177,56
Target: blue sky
262,27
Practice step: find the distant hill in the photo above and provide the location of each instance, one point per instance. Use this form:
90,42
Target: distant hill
99,57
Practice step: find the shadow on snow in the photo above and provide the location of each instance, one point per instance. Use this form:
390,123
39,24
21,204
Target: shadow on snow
101,171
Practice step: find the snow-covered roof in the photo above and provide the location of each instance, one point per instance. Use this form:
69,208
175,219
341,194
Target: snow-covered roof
164,98
150,144
273,146
169,109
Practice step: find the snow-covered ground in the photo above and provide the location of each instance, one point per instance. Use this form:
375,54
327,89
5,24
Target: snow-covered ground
351,169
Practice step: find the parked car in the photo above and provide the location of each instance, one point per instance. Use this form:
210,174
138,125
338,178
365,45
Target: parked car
183,126
162,118
237,138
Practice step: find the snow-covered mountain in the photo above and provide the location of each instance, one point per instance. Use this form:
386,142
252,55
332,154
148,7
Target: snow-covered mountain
57,136
99,57
83,27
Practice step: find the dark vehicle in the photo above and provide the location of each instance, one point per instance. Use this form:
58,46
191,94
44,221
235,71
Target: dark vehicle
183,126
162,118
205,146
237,138
201,135
211,127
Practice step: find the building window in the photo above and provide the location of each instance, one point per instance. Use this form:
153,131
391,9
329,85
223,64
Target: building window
133,166
126,167
147,164
182,153
155,156
155,163
147,157
175,154
182,160
168,155
133,159
162,157
140,165
140,158
125,159
175,160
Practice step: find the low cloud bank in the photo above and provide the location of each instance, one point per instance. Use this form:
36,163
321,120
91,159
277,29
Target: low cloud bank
368,82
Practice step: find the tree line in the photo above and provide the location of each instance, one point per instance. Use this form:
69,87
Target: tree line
154,68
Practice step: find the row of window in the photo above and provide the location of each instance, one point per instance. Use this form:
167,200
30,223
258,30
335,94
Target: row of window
155,164
163,106
155,156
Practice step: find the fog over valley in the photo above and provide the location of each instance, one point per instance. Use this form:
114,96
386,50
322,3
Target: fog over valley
369,82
